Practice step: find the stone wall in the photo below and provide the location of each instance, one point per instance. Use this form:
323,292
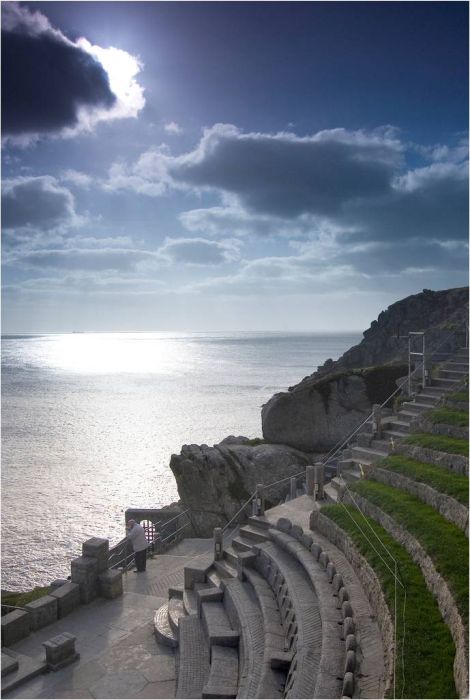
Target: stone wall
454,463
369,582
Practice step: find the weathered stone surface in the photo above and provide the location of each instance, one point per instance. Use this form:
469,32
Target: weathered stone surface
422,425
68,598
348,685
60,651
216,481
454,463
448,507
98,548
330,403
110,583
284,524
43,611
369,582
16,625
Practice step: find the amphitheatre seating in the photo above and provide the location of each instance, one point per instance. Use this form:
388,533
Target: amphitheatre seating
283,626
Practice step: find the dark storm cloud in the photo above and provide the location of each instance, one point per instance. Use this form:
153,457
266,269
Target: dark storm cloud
38,203
46,79
287,176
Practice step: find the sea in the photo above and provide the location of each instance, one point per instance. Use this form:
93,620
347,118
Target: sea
90,420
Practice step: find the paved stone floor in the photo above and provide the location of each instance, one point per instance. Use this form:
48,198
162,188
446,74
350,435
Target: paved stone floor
119,656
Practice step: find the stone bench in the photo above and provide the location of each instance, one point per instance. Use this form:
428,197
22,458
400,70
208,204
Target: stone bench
245,615
193,667
16,625
217,626
331,599
43,611
223,674
300,615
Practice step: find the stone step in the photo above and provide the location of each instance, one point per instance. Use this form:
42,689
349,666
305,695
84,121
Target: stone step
416,407
216,625
9,663
368,453
406,415
190,597
331,493
213,577
395,434
398,425
245,615
223,674
252,533
225,569
27,668
175,612
450,373
259,522
231,556
241,545
444,382
429,399
193,667
162,627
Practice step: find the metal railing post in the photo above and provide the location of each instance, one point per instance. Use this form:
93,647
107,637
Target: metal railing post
218,543
259,499
293,488
310,479
319,478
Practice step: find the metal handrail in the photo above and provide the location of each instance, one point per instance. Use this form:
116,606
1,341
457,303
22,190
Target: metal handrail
250,499
13,607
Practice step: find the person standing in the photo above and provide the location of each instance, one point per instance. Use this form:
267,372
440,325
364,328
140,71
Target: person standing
136,534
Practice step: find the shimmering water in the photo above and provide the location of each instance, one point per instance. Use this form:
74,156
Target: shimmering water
89,422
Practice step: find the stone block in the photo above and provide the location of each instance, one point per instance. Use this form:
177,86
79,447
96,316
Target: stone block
348,685
307,541
194,574
84,570
281,660
330,571
343,595
60,651
348,627
337,582
350,662
16,625
346,609
324,559
68,598
316,550
88,592
9,664
297,532
284,524
110,584
43,612
97,548
350,642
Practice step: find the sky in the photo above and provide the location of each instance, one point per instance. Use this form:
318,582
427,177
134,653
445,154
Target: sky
193,166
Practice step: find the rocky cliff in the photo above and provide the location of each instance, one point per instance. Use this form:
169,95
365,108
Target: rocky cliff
320,410
215,481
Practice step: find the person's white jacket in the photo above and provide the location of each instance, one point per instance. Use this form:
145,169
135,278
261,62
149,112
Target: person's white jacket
137,536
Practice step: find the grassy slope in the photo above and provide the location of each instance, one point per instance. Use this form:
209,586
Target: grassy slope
20,599
455,485
441,443
449,416
429,649
444,542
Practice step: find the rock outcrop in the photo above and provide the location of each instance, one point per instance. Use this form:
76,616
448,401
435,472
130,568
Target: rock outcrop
325,406
215,481
315,415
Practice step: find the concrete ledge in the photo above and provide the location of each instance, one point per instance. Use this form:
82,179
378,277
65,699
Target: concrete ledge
68,598
43,611
15,626
110,583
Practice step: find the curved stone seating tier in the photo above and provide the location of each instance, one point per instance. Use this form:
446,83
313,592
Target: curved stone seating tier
245,615
192,658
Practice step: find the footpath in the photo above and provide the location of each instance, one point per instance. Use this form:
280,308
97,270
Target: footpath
119,654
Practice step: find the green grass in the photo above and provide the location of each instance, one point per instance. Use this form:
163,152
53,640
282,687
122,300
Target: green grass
458,396
429,649
254,442
455,485
449,416
20,599
444,542
442,443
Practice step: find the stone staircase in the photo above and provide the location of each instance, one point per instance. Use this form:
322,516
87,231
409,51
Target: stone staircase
271,618
19,668
367,450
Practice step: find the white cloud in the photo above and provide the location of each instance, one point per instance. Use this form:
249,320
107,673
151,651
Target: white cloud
200,251
173,128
